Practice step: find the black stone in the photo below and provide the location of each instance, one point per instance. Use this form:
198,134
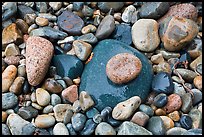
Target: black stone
113,122
67,47
41,131
160,100
26,87
89,127
106,6
186,122
162,83
106,112
58,50
28,112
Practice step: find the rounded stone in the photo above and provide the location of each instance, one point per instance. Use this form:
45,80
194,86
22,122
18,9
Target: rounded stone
22,25
55,99
53,86
187,103
70,22
168,122
47,109
67,116
60,111
39,52
186,122
70,93
123,68
128,13
146,109
17,85
140,118
12,50
89,38
85,101
160,112
160,100
89,28
197,81
106,6
9,100
145,35
92,112
197,96
60,129
162,67
156,59
71,129
176,131
89,128
43,97
4,116
78,121
28,113
41,21
98,118
104,129
175,116
159,129
174,103
44,121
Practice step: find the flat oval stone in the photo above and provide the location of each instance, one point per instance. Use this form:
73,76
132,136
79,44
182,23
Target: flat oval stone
89,127
39,52
146,109
160,100
44,121
78,121
28,113
9,100
113,94
187,103
106,6
43,97
123,68
174,103
70,22
186,122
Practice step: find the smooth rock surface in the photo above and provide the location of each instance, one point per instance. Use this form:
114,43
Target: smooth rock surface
9,100
156,126
104,129
70,93
85,100
106,6
60,110
174,103
60,129
43,97
44,121
78,121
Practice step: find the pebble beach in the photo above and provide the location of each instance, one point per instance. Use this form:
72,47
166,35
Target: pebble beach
101,68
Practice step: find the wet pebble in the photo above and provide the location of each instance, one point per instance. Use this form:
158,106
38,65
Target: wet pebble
186,122
146,109
78,121
12,50
168,122
92,112
4,116
174,103
106,112
9,100
89,28
162,67
38,107
89,38
28,113
179,89
60,129
156,59
113,122
187,103
160,112
76,107
197,96
55,5
106,6
22,70
44,121
89,127
160,100
60,111
98,118
140,118
104,129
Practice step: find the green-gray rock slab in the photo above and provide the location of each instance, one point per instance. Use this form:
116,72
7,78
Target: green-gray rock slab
104,92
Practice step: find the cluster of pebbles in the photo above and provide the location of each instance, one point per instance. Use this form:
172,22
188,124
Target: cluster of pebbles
47,50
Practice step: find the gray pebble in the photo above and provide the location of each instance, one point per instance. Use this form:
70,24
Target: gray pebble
41,131
47,109
8,10
186,74
23,10
71,129
48,16
41,7
187,104
179,89
89,38
55,99
78,120
60,129
76,106
104,129
97,118
156,126
92,112
197,96
28,129
106,112
28,113
9,100
146,109
62,83
176,131
68,115
5,130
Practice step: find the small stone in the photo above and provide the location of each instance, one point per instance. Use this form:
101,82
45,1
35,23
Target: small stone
22,25
28,113
43,97
176,131
178,32
9,100
106,112
53,86
195,131
11,34
127,14
162,67
48,16
186,122
41,7
156,59
78,121
60,129
174,103
60,111
12,50
106,6
89,127
67,116
38,58
55,99
104,129
168,123
197,81
8,10
179,89
130,128
123,68
156,130
146,109
68,39
41,21
47,109
33,97
85,100
12,60
196,62
168,55
196,117
44,121
92,112
160,112
5,130
125,109
30,18
89,28
186,74
197,96
41,131
8,77
160,100
17,85
89,38
55,5
106,27
162,83
87,11
4,116
28,129
98,118
145,35
22,70
187,103
23,10
71,129
175,116
140,118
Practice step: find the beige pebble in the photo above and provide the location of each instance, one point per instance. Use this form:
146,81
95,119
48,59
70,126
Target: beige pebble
89,28
175,116
168,123
17,85
44,121
4,116
160,112
156,59
35,105
41,21
85,101
12,50
198,82
60,111
43,97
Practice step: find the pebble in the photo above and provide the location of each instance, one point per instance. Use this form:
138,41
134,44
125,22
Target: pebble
16,124
88,29
60,129
162,67
119,71
185,10
4,116
8,76
175,116
53,86
9,100
186,74
28,113
130,128
197,96
195,131
11,34
85,101
41,21
60,111
154,10
44,121
179,89
128,13
5,130
140,118
87,11
178,32
122,33
30,19
43,97
146,109
17,85
92,112
47,109
125,109
41,131
68,39
78,5
162,83
174,103
106,6
160,100
168,122
48,16
89,38
76,106
82,49
156,130
12,60
55,99
55,5
38,107
70,22
196,117
106,27
33,97
28,129
67,116
196,62
106,112
168,55
12,50
104,129
71,129
176,131
186,122
42,7
38,57
9,9
145,35
89,128
197,81
21,71
160,112
98,118
156,59
22,25
78,121
187,103
23,10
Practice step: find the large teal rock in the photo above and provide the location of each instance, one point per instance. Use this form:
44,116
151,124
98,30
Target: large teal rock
104,92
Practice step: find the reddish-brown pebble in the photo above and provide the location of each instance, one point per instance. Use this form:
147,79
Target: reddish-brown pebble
174,103
70,93
39,52
198,82
123,68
